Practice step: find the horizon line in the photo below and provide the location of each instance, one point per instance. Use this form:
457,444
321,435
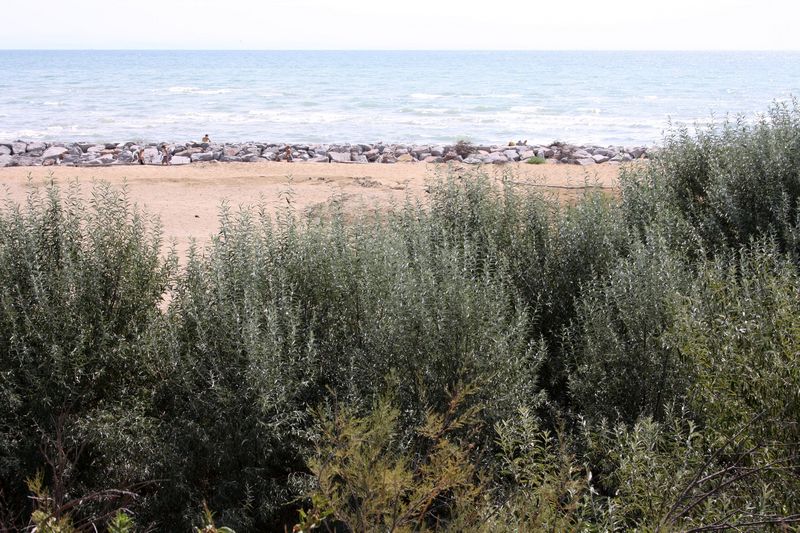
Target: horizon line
643,50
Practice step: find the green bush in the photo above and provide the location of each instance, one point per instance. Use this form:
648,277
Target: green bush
632,360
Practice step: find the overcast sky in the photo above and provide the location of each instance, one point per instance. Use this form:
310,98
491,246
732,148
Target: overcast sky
407,24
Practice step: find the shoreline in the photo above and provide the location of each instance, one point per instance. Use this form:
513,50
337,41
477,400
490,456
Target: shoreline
81,154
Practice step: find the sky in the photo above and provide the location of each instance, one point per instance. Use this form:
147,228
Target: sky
406,25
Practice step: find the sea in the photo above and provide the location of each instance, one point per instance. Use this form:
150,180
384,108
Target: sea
604,98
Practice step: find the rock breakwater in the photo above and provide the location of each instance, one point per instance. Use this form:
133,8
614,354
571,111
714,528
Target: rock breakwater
22,153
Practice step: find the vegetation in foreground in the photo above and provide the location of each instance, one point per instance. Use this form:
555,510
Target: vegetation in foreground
492,361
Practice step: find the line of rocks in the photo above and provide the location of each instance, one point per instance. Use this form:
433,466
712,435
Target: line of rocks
21,153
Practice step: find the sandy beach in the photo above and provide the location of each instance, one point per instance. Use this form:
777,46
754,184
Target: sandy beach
187,198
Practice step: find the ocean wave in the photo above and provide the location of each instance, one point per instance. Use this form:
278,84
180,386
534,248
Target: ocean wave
426,96
298,117
527,109
196,90
493,96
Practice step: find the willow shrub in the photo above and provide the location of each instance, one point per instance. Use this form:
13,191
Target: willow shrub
724,184
622,364
81,283
279,314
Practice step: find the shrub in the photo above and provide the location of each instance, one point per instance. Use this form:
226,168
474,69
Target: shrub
536,160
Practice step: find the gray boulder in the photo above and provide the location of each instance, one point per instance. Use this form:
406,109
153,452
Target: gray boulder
5,160
18,147
25,161
151,156
54,152
340,157
35,149
361,159
600,158
180,160
472,160
585,161
637,152
512,155
5,150
203,156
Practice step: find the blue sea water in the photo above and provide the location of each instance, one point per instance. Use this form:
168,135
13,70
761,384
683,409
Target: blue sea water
340,96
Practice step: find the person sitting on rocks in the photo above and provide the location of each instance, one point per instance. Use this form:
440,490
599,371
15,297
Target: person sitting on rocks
288,152
167,157
206,139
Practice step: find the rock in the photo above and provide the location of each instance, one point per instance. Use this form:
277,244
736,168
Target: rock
187,152
361,159
18,148
609,153
524,156
125,157
585,161
106,159
452,156
54,152
600,158
35,149
5,160
581,154
339,157
151,156
437,151
388,158
512,155
405,158
433,159
202,156
5,150
25,161
229,159
96,149
319,159
496,158
472,160
180,160
637,152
